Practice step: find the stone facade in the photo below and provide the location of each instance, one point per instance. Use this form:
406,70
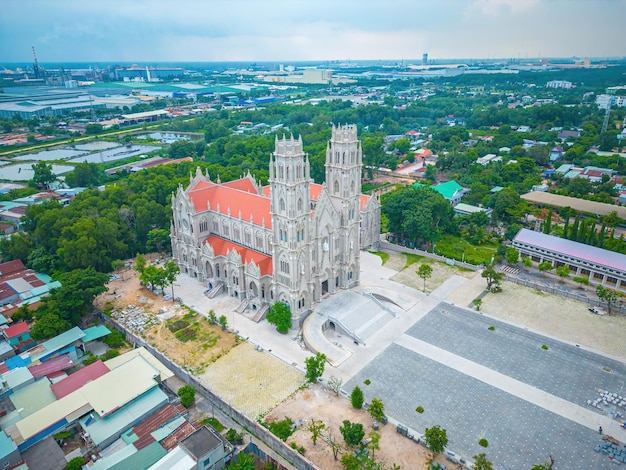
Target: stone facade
291,241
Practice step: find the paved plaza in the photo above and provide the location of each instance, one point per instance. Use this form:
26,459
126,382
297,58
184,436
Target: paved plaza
528,402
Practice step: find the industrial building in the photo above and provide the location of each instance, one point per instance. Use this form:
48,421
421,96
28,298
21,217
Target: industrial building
147,73
49,104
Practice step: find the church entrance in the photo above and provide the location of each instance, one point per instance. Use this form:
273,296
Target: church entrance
325,287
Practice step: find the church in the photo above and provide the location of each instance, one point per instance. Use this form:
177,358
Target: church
292,241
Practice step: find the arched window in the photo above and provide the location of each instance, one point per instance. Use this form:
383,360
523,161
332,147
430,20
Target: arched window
287,173
282,205
299,204
336,187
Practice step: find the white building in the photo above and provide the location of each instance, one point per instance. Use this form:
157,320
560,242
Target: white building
292,241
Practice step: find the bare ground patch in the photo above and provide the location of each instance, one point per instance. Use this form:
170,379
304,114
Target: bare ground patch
318,403
567,319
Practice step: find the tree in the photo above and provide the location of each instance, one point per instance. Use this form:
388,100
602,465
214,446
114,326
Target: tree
244,462
477,303
356,398
512,255
334,384
425,271
140,263
223,321
547,225
352,432
282,429
527,262
374,443
75,464
316,427
563,271
335,446
159,239
582,281
481,462
48,325
607,295
492,276
544,466
545,266
280,316
43,174
315,367
376,409
436,439
171,271
187,395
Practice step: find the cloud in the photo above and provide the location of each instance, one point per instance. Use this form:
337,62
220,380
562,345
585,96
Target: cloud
497,7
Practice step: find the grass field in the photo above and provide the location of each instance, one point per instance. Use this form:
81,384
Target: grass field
456,247
383,256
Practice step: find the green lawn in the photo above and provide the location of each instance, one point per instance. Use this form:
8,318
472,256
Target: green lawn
384,256
412,259
454,247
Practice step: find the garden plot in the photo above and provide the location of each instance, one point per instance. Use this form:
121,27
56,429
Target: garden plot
253,381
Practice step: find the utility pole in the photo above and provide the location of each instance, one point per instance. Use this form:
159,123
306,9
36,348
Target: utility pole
605,124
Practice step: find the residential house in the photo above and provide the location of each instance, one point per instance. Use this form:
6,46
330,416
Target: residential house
21,286
564,135
489,158
451,190
556,153
465,209
207,448
17,334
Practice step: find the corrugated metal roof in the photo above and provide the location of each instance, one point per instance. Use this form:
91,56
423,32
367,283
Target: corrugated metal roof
53,365
142,459
33,397
79,378
7,446
95,332
143,352
592,254
581,205
177,459
56,343
102,429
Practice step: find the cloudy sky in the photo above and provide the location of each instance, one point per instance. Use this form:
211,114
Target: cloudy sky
291,30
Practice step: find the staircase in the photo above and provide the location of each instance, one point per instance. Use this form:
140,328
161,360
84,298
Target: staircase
242,306
260,314
216,290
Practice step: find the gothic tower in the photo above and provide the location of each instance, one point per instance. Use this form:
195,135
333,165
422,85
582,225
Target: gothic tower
290,209
344,161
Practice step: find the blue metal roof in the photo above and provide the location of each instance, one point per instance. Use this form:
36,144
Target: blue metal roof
7,446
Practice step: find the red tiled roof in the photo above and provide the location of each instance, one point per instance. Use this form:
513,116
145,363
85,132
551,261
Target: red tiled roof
11,267
53,365
78,379
16,330
222,246
315,190
239,202
243,184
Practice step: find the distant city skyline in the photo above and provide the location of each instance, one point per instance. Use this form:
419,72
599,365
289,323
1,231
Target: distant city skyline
294,30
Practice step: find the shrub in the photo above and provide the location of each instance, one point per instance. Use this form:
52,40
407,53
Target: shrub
356,398
75,464
233,436
544,347
281,429
63,435
89,358
214,423
298,449
367,381
419,409
187,395
115,339
483,442
110,354
491,328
